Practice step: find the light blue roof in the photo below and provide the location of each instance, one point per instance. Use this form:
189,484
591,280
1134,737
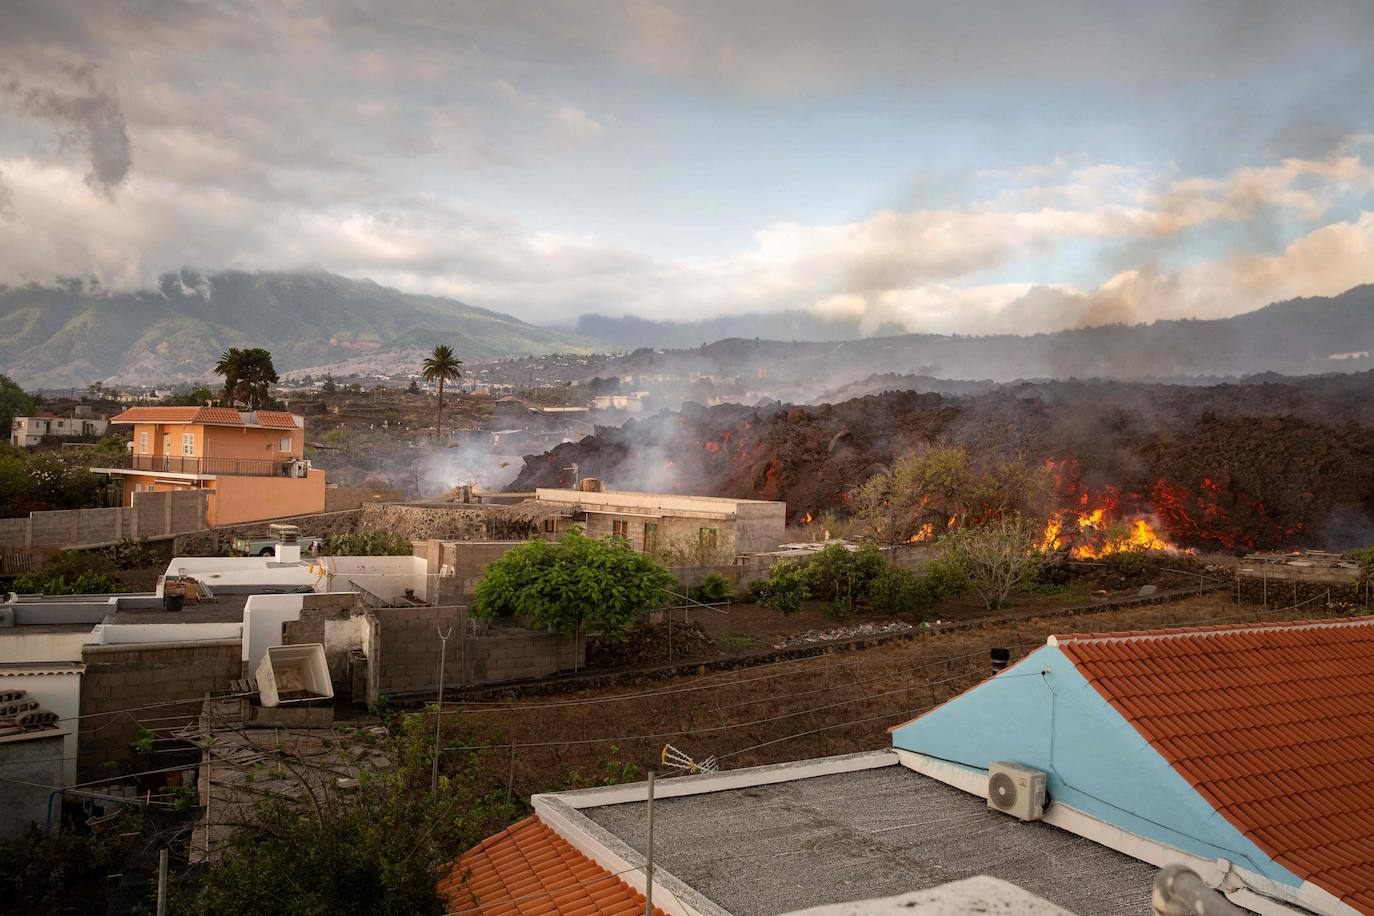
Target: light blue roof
1043,713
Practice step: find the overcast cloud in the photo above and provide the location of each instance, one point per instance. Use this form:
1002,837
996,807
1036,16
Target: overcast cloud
981,167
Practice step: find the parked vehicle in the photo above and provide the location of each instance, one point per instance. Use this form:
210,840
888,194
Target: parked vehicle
266,546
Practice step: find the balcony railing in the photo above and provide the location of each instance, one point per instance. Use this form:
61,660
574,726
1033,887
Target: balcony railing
226,467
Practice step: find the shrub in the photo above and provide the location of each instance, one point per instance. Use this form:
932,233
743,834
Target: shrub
131,554
996,556
843,578
896,591
787,586
945,580
72,572
715,587
366,544
753,589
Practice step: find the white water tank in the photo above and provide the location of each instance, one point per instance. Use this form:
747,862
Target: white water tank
293,674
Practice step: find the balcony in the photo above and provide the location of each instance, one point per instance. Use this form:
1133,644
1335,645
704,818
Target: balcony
218,467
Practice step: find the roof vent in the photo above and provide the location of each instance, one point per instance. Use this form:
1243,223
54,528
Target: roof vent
1016,790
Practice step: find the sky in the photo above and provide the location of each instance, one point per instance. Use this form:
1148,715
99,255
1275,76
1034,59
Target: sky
967,167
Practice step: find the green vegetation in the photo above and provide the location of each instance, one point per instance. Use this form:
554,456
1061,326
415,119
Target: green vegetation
132,554
441,366
937,489
715,587
37,481
13,403
848,580
72,572
39,874
198,396
248,376
997,556
574,583
366,544
612,772
378,849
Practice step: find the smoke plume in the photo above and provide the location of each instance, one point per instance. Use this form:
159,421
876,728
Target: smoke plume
90,117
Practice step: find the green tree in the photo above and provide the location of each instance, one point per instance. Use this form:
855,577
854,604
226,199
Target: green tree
573,584
441,366
996,556
787,587
13,403
939,488
198,396
377,849
329,386
843,577
248,376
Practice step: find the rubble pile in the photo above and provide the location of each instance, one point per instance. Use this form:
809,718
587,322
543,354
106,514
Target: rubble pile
1228,466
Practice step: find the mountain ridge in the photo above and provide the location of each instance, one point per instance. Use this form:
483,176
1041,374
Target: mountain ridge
70,334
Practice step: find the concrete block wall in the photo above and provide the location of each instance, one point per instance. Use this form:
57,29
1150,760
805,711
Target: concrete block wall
152,515
519,654
338,498
314,626
171,678
406,650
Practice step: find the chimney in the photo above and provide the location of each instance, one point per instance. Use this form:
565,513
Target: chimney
592,485
465,493
288,547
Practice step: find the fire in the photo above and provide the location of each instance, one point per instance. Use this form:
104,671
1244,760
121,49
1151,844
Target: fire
805,519
1089,536
925,533
712,447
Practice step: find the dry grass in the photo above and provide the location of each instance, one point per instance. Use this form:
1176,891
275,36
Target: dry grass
832,704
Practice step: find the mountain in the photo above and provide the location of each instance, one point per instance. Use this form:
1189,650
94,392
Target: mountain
72,334
628,332
1297,337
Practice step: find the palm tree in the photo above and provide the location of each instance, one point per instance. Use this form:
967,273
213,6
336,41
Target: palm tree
441,366
248,376
230,365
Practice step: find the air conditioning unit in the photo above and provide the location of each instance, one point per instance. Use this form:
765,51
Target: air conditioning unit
1016,790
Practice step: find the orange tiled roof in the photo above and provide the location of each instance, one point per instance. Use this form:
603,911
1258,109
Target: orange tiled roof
277,419
1272,723
214,416
528,868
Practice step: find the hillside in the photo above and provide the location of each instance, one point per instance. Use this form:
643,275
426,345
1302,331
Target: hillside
1297,337
71,335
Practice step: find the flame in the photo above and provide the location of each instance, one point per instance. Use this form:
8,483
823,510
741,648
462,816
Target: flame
805,519
925,533
712,447
1089,536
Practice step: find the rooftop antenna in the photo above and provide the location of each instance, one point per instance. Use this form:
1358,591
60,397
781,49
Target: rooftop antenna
672,757
576,475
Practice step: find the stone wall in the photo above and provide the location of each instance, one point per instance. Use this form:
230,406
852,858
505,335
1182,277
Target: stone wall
153,515
337,498
121,680
217,541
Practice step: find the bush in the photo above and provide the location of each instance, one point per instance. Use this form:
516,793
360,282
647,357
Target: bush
366,544
131,554
72,572
714,587
753,590
945,580
843,578
900,592
39,874
787,587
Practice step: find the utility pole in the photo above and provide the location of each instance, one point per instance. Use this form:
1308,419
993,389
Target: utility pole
439,710
649,848
162,882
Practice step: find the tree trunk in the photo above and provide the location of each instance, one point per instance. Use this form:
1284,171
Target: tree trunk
439,426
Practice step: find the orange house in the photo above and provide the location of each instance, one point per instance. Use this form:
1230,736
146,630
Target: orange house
252,462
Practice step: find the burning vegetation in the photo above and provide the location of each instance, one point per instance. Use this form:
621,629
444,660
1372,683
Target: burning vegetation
1112,466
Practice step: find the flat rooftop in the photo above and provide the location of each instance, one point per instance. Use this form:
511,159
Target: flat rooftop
785,846
223,608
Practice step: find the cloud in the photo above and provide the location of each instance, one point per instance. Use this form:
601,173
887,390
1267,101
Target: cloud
89,116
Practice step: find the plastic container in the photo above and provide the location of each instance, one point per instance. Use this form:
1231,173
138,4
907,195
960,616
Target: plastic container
173,602
294,674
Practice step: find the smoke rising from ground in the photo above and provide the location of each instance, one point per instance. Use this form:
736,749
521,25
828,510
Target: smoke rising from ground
89,117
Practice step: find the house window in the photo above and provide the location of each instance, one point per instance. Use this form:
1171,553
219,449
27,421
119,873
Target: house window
550,525
620,528
188,443
285,444
707,538
143,442
650,537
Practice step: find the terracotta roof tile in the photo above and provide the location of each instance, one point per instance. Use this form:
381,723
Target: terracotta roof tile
528,868
155,415
1272,723
276,419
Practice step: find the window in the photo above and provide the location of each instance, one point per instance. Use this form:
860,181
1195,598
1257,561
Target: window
143,442
285,444
550,525
707,538
188,443
620,528
650,537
